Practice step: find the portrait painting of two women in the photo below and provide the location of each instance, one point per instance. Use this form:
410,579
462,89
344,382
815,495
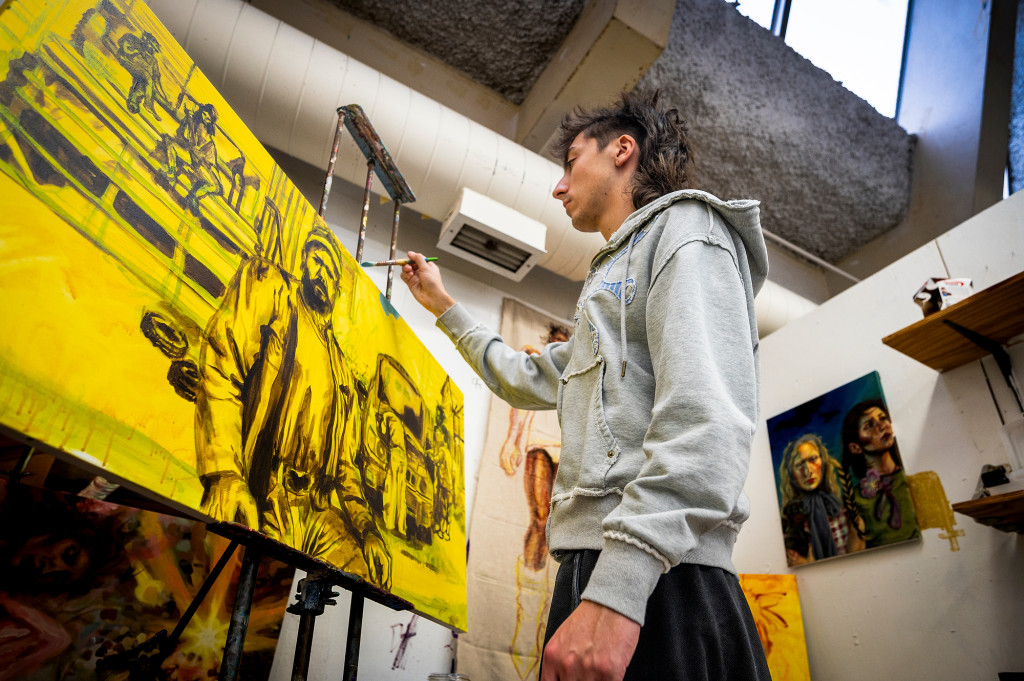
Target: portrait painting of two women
840,479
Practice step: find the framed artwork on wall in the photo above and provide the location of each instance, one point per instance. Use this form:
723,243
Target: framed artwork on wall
839,476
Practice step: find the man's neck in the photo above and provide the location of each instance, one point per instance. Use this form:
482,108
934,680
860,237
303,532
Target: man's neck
613,219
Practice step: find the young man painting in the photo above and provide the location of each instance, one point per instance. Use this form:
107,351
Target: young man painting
657,393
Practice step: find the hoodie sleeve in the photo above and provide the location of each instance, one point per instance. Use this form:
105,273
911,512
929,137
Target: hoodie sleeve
523,380
697,448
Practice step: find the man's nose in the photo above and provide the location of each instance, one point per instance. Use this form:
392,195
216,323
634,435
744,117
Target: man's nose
561,187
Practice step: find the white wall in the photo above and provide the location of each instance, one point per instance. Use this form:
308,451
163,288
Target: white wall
916,610
482,292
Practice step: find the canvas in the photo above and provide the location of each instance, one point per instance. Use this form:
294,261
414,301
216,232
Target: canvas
510,572
775,606
178,318
839,475
86,585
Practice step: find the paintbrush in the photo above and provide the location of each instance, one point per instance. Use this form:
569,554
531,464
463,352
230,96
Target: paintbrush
396,263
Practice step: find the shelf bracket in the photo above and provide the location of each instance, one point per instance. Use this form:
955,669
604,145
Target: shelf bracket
998,353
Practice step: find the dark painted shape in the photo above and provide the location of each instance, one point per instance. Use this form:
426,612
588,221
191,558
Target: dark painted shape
184,377
164,335
64,153
219,236
202,275
141,222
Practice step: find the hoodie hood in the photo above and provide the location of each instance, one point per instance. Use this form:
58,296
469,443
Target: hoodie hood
743,216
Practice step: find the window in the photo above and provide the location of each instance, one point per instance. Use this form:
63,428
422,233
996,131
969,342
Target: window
758,10
858,42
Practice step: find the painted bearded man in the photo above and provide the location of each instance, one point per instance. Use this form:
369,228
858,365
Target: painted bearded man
275,418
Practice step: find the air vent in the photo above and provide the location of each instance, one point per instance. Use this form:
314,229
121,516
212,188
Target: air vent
490,249
492,235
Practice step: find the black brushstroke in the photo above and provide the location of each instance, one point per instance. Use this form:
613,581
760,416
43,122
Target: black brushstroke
64,153
164,335
146,226
202,275
184,377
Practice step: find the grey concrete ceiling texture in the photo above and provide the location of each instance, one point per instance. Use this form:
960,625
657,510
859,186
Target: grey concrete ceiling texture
831,172
502,45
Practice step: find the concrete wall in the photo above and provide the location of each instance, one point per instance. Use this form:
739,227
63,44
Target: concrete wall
917,610
832,173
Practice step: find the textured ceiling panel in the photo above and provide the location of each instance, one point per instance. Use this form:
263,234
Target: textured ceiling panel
831,172
503,45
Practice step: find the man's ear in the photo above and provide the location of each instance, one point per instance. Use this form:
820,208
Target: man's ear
625,150
854,448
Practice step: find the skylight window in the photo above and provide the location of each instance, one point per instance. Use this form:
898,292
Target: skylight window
858,42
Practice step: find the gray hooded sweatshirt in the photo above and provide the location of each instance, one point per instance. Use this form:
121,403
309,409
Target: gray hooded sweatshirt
656,391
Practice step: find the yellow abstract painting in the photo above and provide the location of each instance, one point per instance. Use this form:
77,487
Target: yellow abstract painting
775,605
178,318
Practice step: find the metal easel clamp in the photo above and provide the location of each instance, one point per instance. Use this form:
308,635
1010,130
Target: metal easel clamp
314,594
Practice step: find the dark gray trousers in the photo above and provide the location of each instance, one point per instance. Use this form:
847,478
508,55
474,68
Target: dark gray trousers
697,626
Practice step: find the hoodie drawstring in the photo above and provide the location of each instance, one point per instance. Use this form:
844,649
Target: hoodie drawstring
622,303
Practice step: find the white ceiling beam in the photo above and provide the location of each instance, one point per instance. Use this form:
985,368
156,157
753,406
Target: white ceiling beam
610,47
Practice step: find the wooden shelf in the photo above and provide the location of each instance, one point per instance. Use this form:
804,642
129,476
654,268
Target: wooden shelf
1002,511
996,313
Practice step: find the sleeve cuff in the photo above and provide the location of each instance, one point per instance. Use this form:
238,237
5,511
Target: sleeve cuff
456,322
623,579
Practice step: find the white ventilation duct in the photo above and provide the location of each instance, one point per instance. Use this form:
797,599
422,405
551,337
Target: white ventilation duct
777,306
287,86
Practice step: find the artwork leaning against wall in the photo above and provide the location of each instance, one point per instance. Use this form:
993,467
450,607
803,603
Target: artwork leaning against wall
510,575
179,319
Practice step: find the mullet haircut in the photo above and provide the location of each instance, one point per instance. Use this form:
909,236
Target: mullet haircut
665,163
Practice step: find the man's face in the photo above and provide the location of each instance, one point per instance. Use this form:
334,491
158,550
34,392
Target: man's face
52,562
806,467
875,431
588,183
320,279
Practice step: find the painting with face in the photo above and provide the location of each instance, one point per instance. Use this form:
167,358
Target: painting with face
183,322
841,484
85,584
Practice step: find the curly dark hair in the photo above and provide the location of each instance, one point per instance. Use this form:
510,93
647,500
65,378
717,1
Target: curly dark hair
665,163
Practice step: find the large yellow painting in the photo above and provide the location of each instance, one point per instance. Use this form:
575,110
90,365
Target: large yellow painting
177,317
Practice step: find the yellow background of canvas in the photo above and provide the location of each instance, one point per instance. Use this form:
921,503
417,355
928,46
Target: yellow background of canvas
76,372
